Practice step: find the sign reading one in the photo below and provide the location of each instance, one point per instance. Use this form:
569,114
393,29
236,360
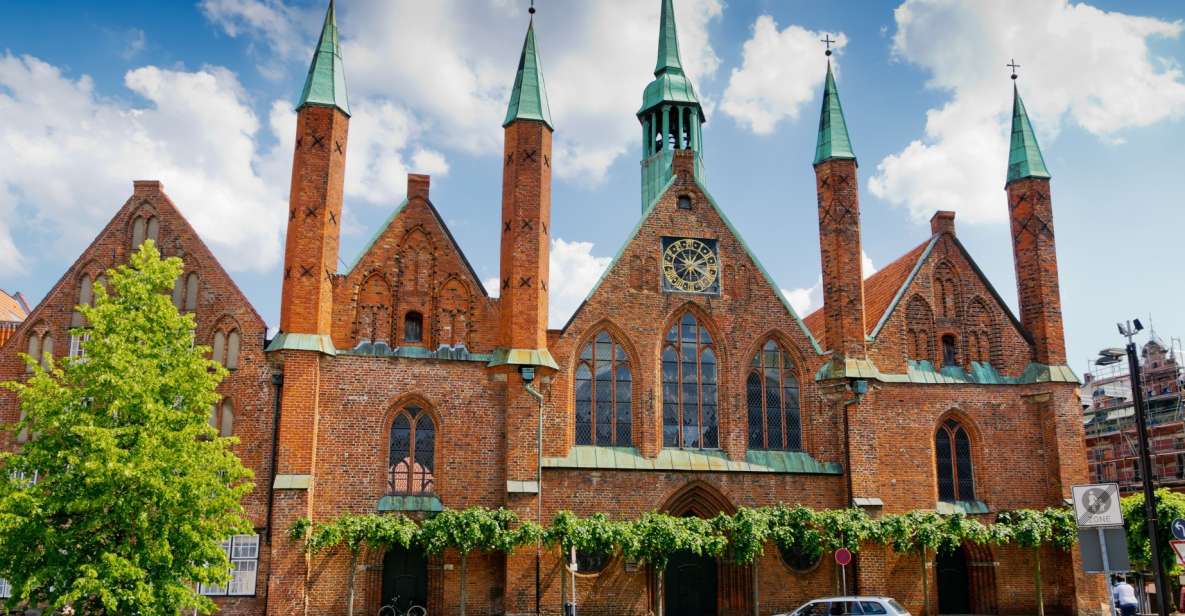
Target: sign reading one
843,557
1097,505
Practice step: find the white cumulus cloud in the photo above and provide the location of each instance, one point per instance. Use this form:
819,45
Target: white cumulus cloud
68,157
782,70
1080,65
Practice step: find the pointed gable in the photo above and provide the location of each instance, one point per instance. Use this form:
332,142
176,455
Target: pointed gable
413,270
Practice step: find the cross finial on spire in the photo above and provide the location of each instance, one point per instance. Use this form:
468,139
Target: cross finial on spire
1013,65
827,40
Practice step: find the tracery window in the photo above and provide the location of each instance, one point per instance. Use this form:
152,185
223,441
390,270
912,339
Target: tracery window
771,390
952,449
413,452
603,394
689,386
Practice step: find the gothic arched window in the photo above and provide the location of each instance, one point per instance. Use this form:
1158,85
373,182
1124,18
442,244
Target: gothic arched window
226,346
222,418
603,394
952,449
950,353
412,459
689,387
413,327
185,292
771,390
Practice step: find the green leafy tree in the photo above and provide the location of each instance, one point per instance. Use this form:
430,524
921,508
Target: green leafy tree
136,490
1032,529
845,528
920,533
357,533
1169,506
656,537
596,534
475,529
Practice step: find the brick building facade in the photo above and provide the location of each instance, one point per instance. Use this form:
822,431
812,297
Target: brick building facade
685,382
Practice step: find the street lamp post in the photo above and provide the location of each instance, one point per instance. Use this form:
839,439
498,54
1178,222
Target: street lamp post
1110,357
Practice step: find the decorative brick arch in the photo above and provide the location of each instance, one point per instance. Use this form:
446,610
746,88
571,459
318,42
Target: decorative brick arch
919,329
699,499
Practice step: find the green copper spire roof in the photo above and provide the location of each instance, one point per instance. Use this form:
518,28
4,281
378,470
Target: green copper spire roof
326,83
528,100
1024,157
671,85
833,129
668,42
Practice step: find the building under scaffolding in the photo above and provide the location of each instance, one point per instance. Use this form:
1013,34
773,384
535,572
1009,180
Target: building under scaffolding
1111,449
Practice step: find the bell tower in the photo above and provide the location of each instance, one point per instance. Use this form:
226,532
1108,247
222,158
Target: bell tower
671,116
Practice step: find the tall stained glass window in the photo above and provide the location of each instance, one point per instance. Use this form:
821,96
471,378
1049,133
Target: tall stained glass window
952,449
771,391
689,377
413,452
603,394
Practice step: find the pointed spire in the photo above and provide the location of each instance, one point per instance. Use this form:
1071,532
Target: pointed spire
528,100
833,129
668,41
326,82
1024,156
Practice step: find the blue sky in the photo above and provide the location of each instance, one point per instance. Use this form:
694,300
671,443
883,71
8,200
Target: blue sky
199,95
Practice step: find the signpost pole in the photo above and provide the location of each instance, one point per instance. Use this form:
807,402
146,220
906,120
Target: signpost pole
1106,569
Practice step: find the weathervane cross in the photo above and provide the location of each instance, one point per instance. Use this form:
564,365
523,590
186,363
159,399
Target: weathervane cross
1011,64
827,40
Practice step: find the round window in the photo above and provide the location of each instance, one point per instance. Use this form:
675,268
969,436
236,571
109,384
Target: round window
591,563
799,559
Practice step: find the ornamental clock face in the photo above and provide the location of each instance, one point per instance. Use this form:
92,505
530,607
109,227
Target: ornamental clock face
690,265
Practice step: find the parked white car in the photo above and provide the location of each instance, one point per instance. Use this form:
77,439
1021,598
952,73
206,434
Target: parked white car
850,606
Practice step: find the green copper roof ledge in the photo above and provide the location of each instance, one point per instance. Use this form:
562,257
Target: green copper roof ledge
528,99
523,357
326,82
923,372
834,142
1024,155
691,460
302,342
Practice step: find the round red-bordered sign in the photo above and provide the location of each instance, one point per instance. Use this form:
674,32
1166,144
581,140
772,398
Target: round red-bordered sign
843,557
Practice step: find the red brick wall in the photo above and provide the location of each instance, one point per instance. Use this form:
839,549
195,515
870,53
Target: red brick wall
526,222
841,258
1030,210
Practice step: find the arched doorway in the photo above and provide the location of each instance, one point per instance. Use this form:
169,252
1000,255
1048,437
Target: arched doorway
954,596
689,587
405,575
703,586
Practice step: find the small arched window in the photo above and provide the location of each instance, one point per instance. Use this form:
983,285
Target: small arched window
225,347
689,386
40,345
771,390
413,452
145,228
222,418
952,449
86,297
603,394
413,327
950,354
185,292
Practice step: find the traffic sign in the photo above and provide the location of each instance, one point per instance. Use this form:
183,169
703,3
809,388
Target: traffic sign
1178,550
843,557
1179,529
1097,505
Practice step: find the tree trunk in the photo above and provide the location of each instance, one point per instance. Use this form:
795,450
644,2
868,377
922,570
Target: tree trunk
464,570
350,583
659,585
1037,580
925,586
756,595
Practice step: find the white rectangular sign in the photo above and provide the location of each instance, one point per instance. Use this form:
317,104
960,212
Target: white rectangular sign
1097,505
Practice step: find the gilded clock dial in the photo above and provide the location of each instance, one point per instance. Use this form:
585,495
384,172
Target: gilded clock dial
690,265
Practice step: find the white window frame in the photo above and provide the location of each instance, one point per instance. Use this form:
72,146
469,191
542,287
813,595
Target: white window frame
76,342
5,589
243,552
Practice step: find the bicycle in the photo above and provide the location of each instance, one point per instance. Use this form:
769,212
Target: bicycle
392,609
